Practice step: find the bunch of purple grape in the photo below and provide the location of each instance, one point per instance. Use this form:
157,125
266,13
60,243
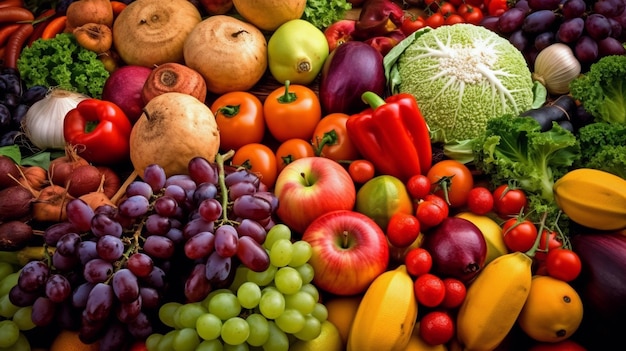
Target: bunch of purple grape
171,238
591,29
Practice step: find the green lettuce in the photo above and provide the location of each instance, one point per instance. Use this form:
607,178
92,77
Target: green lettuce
323,13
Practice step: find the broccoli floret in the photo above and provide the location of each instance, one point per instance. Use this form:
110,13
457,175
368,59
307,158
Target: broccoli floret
602,90
603,146
515,149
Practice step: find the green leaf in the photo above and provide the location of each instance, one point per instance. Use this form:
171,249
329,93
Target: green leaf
12,151
41,159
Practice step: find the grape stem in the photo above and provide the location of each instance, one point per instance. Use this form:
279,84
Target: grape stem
221,178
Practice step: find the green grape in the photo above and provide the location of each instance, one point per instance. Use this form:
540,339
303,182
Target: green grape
311,330
281,252
166,343
311,289
276,232
22,318
7,308
288,280
152,341
187,314
5,269
209,326
272,303
291,321
306,272
278,340
8,283
22,344
240,347
206,300
320,312
186,339
211,345
225,305
9,333
241,276
262,278
235,331
167,312
259,329
301,301
302,252
249,295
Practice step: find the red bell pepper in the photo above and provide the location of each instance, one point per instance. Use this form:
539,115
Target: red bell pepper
100,129
393,135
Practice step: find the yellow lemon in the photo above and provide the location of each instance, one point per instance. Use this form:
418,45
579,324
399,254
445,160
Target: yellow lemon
341,312
553,310
328,340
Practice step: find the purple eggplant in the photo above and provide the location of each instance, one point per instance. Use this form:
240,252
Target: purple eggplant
350,70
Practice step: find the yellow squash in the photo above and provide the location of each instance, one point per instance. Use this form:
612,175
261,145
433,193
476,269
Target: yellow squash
386,315
494,301
592,198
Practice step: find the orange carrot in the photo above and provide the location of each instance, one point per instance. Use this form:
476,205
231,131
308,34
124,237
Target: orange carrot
40,24
11,3
117,6
16,14
55,27
16,43
6,31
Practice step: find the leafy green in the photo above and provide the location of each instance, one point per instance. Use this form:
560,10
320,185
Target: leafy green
602,90
323,13
61,62
603,146
514,149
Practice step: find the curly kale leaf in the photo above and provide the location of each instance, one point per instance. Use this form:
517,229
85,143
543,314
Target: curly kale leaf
323,13
61,62
603,146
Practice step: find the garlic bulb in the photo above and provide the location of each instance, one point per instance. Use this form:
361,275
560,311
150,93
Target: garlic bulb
43,122
555,67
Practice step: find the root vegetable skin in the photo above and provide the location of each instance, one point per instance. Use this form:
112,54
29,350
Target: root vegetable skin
15,202
14,235
62,167
50,204
174,77
34,176
83,180
8,172
111,183
98,197
88,11
95,37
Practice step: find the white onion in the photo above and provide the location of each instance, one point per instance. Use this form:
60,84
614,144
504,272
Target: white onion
43,122
555,67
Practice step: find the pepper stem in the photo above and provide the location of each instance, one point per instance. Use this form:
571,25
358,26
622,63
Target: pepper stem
287,97
372,99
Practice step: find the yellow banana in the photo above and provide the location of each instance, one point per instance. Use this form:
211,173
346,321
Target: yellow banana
386,315
493,302
24,255
593,198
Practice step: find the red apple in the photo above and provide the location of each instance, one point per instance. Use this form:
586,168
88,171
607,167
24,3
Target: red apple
123,88
309,187
339,32
349,251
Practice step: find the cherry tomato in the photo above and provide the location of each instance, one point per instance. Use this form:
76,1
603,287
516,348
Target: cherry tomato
418,186
260,159
435,20
411,24
291,150
446,8
519,234
454,19
292,111
330,138
497,7
480,200
418,261
508,201
402,229
431,211
451,180
549,238
239,117
563,264
361,171
471,14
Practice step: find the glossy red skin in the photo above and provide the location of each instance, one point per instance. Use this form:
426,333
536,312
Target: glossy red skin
339,32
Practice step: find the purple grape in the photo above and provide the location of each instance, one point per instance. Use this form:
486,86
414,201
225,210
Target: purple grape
97,270
125,285
55,231
491,23
539,21
68,244
241,175
253,229
150,298
616,28
86,251
597,26
241,188
210,210
155,176
157,224
610,46
80,294
252,206
197,225
139,188
519,40
140,264
219,270
523,5
79,213
157,278
176,192
58,288
126,312
175,235
115,337
609,8
544,4
159,247
204,191
110,248
570,30
166,205
182,180
197,286
511,20
21,298
33,276
99,302
200,245
226,239
141,327
43,312
202,171
102,224
134,206
544,40
573,8
586,49
90,330
64,263
252,254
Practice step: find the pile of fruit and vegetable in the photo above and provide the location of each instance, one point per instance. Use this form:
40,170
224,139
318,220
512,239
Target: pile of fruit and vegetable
312,175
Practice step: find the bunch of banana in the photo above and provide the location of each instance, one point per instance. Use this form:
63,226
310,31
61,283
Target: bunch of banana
386,315
493,302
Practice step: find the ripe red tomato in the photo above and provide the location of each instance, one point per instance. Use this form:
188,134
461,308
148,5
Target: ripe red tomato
452,181
330,138
418,261
471,14
454,19
410,24
418,186
480,200
508,201
435,20
402,229
519,234
563,264
291,150
447,8
260,159
361,171
431,211
497,7
239,116
549,241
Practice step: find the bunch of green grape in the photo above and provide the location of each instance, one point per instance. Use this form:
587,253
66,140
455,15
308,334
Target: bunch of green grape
265,310
13,319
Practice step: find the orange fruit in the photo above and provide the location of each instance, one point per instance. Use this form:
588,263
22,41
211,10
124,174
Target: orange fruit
436,328
429,290
68,340
341,312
